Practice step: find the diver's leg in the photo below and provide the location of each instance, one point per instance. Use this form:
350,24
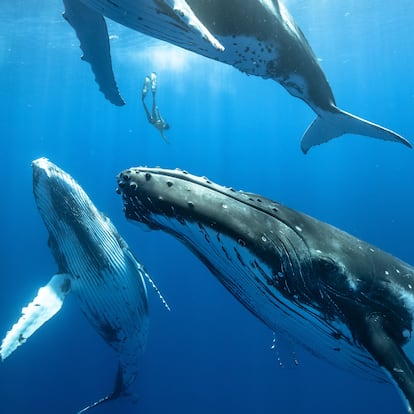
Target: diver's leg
154,108
147,112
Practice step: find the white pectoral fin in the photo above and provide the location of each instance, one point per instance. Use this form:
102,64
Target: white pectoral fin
187,16
92,32
44,306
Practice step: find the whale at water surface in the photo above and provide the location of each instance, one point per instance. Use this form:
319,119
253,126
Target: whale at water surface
341,298
258,37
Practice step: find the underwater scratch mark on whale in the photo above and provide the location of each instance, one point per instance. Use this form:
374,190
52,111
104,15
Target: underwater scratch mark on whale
258,37
341,298
94,263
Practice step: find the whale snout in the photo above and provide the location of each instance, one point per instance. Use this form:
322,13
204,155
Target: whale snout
48,176
142,194
41,170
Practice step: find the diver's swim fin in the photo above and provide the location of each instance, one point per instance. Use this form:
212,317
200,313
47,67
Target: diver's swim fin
153,82
145,87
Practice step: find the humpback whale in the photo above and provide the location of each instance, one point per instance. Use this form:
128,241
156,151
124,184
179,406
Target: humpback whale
258,37
94,263
341,298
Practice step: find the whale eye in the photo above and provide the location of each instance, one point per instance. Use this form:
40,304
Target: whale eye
148,176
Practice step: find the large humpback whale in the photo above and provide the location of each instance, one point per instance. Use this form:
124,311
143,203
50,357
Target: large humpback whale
341,298
258,37
94,263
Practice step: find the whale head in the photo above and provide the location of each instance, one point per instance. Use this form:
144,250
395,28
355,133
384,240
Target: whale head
250,243
344,300
71,219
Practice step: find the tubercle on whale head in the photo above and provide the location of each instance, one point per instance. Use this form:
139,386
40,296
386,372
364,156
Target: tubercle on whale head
159,197
151,191
159,188
135,208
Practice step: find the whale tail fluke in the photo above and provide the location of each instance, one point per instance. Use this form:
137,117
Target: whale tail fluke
333,124
120,390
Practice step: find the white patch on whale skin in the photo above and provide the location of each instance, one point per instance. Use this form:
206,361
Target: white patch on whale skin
270,6
295,85
184,12
288,20
243,52
248,54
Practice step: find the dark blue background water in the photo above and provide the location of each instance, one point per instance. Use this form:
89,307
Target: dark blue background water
208,355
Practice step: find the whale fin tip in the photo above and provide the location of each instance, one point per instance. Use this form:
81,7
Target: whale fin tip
95,404
43,307
92,32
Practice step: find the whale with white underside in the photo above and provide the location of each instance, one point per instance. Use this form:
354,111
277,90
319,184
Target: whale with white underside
258,37
341,298
94,263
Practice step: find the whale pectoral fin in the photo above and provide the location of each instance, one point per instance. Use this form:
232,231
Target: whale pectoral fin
187,16
335,123
44,306
91,30
389,355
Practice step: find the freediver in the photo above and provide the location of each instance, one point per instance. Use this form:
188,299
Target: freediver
154,117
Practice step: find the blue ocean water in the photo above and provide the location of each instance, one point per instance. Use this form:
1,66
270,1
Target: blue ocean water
208,355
